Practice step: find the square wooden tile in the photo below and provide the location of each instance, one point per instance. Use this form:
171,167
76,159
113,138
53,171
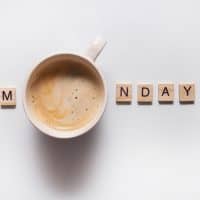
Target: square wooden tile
187,92
8,96
166,92
145,93
123,93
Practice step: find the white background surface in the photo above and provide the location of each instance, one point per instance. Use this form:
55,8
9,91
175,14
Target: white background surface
136,152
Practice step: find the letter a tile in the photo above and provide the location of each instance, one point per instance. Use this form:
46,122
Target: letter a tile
165,92
123,93
8,96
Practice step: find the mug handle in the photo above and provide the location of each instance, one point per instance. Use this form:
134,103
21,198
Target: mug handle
95,48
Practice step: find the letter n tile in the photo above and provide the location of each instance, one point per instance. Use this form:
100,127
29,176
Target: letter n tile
123,93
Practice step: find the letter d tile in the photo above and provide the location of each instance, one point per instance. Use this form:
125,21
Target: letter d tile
145,93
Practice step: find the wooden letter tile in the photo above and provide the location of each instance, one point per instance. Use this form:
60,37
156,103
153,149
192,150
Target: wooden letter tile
8,96
166,92
187,92
145,93
123,93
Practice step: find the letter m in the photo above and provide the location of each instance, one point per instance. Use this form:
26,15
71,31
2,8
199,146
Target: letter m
7,95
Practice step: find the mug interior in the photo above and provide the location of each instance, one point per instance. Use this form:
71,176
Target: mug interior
52,62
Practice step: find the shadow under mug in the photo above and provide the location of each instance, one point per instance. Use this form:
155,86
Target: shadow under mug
89,58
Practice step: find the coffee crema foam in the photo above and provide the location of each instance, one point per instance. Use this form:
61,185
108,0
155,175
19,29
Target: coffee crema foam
67,96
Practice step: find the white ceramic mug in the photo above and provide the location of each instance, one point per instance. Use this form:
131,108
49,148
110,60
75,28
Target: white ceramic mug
90,56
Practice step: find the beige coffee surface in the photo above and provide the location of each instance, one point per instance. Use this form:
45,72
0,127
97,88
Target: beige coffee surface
66,97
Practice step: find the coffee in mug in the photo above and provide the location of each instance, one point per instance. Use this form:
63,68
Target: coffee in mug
65,95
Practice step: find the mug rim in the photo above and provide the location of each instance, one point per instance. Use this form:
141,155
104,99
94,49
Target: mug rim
65,134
